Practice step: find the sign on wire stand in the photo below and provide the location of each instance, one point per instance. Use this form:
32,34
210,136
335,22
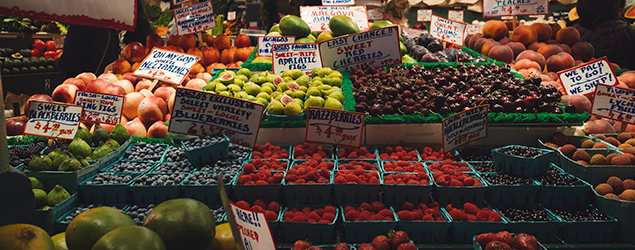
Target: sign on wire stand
334,127
196,18
265,43
318,17
302,56
456,15
375,14
338,2
424,15
374,48
464,127
100,108
254,228
583,79
495,8
53,119
198,112
447,30
614,103
167,66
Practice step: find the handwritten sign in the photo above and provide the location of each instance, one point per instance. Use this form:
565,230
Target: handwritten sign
424,15
167,66
464,127
473,29
335,127
318,17
265,43
447,30
583,79
199,113
254,229
456,15
412,32
614,103
375,14
53,119
494,8
303,56
178,2
196,18
231,15
338,2
100,108
374,48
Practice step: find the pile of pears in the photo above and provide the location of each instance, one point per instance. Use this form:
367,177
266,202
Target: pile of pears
290,93
44,201
79,150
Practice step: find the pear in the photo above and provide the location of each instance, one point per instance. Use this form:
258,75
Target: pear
314,101
292,109
57,195
332,103
275,107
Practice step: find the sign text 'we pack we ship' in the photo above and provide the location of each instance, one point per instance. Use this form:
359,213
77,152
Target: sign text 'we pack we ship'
584,78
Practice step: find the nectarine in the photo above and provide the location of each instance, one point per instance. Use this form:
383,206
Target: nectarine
152,109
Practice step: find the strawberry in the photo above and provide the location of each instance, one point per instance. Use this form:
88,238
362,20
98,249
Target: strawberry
485,238
497,245
505,237
300,245
341,246
381,242
365,246
398,238
407,246
525,241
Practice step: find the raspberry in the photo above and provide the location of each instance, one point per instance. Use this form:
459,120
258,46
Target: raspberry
351,215
324,221
248,168
494,217
338,179
416,214
471,217
287,215
364,216
309,220
482,215
449,208
470,208
330,209
243,179
328,216
300,218
408,206
348,208
271,216
260,203
469,181
257,209
427,217
314,215
242,204
404,215
376,217
377,206
456,183
458,215
386,213
366,206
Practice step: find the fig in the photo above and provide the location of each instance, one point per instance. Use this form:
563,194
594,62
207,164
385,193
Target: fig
41,163
79,147
101,151
332,103
70,164
314,101
100,135
85,135
275,107
57,195
292,109
57,156
120,134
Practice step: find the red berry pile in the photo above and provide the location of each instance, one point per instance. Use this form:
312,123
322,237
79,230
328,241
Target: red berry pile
270,210
471,212
265,177
403,166
300,244
355,153
505,240
398,153
449,167
420,178
358,176
354,165
421,212
459,179
269,151
259,164
308,151
396,240
314,163
324,215
375,211
309,172
429,154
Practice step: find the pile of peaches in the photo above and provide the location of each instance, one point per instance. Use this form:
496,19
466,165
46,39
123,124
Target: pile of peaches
215,52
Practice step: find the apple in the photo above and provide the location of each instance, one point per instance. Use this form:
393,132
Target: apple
15,126
136,128
164,92
86,76
81,85
121,66
143,84
125,84
65,93
152,109
131,103
134,52
158,130
108,77
96,86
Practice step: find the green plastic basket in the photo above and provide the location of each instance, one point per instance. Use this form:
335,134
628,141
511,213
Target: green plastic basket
463,231
623,211
106,194
317,233
207,194
250,193
356,193
427,231
460,195
510,195
365,231
46,218
597,231
477,246
210,153
564,195
544,231
523,166
596,174
317,193
144,194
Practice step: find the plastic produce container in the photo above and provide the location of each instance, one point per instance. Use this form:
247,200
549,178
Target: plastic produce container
317,233
523,166
210,153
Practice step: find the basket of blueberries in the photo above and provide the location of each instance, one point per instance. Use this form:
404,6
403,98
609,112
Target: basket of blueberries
207,149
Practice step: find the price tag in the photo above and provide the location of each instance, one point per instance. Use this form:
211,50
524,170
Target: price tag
456,15
375,14
338,2
196,18
447,30
302,56
464,127
100,108
424,15
265,43
583,78
614,103
473,29
179,2
198,112
335,127
167,66
59,41
231,15
374,48
53,119
318,17
412,32
494,8
254,229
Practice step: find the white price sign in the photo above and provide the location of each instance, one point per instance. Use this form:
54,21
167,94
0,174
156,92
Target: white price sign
447,30
375,14
318,17
424,15
374,48
53,119
198,112
456,15
100,108
334,127
494,8
473,29
196,18
231,15
412,32
464,127
167,66
265,43
254,229
338,2
614,103
302,56
583,79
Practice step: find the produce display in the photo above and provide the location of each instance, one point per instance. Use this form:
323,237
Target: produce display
39,59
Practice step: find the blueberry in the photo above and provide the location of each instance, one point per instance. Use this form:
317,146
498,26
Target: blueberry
525,214
130,167
505,179
484,167
558,180
174,167
203,141
145,152
109,178
160,179
175,154
223,165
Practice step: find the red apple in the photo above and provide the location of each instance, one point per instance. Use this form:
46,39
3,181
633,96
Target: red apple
95,86
136,128
131,104
158,130
196,83
15,126
65,93
125,84
112,89
121,66
86,76
164,92
152,109
81,85
134,52
108,77
143,84
36,97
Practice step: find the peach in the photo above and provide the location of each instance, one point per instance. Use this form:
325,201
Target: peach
121,66
582,103
560,61
170,102
501,53
205,76
196,83
187,41
554,29
495,29
174,48
173,40
112,89
510,25
152,109
568,35
125,84
128,76
532,55
565,48
134,52
208,39
516,47
488,46
157,130
95,86
153,40
524,34
472,41
535,46
143,84
582,51
242,40
242,54
549,50
505,40
543,31
164,92
136,128
108,77
36,97
527,64
222,42
81,85
210,55
65,93
598,127
86,76
478,45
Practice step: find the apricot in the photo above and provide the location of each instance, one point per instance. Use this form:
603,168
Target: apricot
516,47
527,64
582,51
549,50
560,61
554,29
543,31
535,46
532,55
495,29
488,46
568,35
525,34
